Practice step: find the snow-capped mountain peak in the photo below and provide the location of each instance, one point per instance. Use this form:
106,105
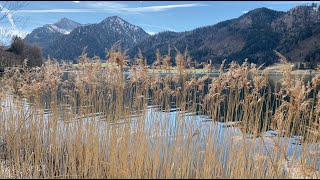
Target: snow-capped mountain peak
54,28
117,22
50,32
66,26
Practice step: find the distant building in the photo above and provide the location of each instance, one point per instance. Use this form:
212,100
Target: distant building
305,65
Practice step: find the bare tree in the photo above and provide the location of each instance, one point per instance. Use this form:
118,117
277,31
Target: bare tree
7,8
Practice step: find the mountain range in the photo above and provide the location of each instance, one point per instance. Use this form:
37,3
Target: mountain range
48,33
254,35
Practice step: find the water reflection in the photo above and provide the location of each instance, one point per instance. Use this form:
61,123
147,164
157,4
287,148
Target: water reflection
173,125
176,126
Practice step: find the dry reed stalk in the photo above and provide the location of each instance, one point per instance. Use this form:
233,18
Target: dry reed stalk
96,124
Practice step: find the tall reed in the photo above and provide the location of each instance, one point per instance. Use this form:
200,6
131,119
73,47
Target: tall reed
100,123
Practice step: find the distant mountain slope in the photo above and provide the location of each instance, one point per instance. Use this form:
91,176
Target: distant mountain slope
44,35
158,41
96,38
253,35
300,29
249,36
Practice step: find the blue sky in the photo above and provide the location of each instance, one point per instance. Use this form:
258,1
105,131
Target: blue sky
153,16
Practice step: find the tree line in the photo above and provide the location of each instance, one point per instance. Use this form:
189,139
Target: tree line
18,52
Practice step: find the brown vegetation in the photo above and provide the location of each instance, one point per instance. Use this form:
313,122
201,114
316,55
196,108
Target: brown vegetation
96,124
18,52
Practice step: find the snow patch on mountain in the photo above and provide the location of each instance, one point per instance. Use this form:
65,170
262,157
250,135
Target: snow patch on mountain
55,28
315,8
64,26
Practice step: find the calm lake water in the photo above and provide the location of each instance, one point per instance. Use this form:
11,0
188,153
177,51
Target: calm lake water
191,122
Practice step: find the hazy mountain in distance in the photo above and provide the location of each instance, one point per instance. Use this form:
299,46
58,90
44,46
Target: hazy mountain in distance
253,35
249,36
96,38
50,32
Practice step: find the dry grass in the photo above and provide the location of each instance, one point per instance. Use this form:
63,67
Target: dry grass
96,124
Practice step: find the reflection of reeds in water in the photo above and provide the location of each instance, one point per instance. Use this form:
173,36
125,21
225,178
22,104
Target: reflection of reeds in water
298,170
94,125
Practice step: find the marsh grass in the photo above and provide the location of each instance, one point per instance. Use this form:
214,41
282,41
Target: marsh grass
97,124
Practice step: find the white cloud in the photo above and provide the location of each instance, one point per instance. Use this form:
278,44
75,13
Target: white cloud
243,12
8,14
7,32
160,8
76,1
55,10
112,7
106,5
